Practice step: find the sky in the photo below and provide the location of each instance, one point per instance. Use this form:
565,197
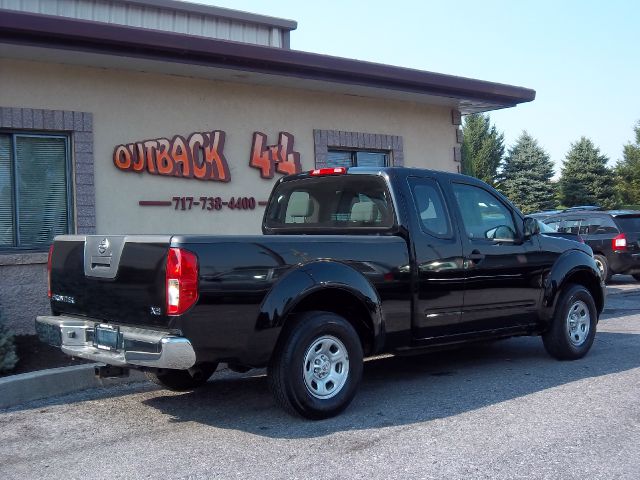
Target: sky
581,56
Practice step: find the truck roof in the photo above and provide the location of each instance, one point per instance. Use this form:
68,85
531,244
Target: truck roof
390,171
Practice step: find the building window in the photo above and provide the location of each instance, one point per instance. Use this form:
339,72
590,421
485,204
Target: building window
357,158
334,148
35,189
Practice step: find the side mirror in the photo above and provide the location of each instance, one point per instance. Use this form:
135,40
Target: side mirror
501,233
531,227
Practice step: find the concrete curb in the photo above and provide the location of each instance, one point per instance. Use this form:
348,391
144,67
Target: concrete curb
26,387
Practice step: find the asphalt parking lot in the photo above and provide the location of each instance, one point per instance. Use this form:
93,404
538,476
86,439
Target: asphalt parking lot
504,410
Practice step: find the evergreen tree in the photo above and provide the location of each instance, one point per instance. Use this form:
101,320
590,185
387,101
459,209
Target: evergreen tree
482,148
8,357
526,176
627,172
585,178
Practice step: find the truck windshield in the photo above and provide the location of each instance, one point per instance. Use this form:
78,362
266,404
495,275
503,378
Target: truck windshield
331,202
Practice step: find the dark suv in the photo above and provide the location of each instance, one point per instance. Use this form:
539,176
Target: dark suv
613,235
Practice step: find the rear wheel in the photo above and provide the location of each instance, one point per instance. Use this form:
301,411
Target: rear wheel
182,380
573,327
316,370
603,267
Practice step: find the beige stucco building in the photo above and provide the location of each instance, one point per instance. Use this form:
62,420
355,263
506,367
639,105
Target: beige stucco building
152,116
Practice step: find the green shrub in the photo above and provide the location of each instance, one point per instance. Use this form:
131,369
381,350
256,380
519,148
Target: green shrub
8,357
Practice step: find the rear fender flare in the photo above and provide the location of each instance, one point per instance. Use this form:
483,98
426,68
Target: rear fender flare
310,278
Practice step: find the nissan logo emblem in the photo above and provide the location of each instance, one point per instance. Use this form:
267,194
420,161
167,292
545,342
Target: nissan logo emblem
103,246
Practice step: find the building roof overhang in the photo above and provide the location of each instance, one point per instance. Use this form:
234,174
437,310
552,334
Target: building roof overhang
27,35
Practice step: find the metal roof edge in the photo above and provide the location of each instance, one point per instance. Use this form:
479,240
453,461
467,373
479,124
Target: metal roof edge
190,7
72,34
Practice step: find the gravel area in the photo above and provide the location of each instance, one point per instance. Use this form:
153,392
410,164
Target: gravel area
503,410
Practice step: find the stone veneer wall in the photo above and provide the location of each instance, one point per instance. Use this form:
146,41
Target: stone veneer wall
23,275
23,290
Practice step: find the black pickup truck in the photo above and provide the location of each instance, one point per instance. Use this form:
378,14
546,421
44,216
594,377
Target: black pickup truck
352,263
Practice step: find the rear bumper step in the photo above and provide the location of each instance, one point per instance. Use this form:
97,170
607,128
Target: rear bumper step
134,347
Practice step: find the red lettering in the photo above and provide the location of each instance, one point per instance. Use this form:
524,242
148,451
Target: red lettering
122,158
214,156
181,160
163,157
261,155
150,149
200,156
200,166
288,161
137,154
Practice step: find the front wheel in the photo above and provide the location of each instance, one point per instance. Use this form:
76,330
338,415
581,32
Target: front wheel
316,370
182,380
573,327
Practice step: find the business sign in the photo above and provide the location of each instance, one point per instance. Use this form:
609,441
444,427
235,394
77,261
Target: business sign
200,156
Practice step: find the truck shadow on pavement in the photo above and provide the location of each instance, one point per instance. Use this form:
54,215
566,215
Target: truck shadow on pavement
405,390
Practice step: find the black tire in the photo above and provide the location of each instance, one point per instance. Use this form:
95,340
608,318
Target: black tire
182,380
561,340
603,266
636,276
290,372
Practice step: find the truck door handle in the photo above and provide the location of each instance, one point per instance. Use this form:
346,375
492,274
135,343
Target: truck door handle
476,256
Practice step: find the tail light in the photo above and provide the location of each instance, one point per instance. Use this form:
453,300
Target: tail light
328,171
181,280
619,243
49,270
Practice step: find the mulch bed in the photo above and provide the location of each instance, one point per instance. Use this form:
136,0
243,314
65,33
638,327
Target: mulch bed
34,355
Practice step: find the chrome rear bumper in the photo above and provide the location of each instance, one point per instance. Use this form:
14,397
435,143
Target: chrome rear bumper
136,346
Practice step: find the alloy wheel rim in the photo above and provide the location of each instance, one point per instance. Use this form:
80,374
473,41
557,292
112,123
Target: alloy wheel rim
578,323
325,368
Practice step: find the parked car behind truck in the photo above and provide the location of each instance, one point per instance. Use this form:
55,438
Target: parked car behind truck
352,263
613,235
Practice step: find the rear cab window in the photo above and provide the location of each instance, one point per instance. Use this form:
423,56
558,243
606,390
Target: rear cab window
329,203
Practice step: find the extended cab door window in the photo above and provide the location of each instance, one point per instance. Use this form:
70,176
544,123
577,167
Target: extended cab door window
431,210
440,266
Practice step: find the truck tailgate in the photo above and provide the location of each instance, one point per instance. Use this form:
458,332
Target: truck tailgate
112,278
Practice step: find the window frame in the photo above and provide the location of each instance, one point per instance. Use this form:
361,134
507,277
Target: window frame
388,161
323,140
12,134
